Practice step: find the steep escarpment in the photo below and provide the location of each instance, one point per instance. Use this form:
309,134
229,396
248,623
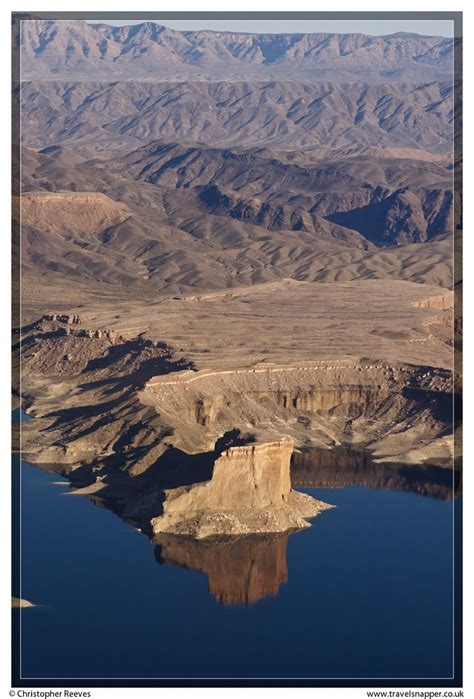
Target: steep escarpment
325,403
83,387
177,224
74,375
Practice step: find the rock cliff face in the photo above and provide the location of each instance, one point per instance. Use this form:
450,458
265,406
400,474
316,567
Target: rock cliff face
249,492
328,402
207,453
257,475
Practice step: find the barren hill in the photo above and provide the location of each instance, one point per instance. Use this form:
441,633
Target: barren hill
230,113
242,158
68,213
197,237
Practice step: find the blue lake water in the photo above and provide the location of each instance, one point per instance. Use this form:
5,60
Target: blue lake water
368,593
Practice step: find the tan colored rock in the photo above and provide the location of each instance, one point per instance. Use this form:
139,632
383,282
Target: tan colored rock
65,213
257,475
249,492
18,602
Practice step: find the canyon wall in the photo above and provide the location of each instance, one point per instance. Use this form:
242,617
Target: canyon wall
323,403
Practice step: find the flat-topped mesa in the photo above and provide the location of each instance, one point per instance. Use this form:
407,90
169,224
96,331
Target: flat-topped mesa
249,492
66,214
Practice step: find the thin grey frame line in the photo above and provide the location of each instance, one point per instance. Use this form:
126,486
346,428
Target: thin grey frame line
455,18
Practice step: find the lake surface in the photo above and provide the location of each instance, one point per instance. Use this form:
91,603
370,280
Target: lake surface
366,592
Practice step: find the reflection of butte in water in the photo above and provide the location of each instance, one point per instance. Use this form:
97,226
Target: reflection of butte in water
239,571
342,466
249,568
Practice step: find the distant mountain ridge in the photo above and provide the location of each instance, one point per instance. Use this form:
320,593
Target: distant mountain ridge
286,114
51,49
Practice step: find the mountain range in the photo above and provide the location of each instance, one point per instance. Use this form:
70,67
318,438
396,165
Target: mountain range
152,51
221,159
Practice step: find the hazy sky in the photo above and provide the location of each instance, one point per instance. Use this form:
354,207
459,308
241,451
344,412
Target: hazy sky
364,26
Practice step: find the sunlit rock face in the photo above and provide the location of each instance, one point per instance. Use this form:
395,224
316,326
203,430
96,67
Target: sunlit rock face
240,570
249,492
256,475
206,453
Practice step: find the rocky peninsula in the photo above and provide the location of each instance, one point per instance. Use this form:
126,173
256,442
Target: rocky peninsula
182,443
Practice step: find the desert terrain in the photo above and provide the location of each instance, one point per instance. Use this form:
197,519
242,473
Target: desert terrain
232,247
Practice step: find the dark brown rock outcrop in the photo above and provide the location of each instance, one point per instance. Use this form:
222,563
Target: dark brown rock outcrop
240,570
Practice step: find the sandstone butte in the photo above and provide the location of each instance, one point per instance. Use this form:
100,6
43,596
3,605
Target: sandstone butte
249,492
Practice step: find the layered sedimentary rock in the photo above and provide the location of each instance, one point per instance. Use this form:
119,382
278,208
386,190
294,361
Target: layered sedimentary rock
393,406
325,402
250,491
